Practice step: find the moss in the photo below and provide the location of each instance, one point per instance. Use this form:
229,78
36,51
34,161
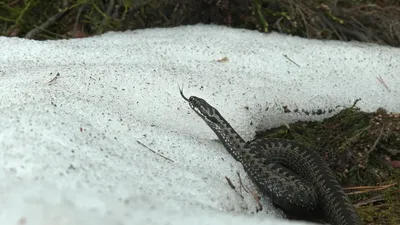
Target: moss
359,147
385,207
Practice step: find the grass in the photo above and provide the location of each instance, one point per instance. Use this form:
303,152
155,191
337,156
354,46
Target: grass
363,20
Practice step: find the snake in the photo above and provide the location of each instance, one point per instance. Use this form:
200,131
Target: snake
293,176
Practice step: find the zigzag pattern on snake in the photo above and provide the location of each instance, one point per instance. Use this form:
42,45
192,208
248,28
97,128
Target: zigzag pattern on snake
293,176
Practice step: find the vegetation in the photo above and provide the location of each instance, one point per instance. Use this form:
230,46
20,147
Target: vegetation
363,151
363,20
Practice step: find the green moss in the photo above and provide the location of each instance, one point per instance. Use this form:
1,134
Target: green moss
385,211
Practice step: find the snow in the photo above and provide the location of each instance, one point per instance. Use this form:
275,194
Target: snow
75,150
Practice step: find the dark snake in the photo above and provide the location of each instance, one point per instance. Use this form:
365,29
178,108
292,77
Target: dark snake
293,176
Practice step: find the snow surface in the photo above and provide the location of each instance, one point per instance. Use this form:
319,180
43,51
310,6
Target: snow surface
72,150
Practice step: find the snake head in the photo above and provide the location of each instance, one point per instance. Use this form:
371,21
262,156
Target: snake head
203,109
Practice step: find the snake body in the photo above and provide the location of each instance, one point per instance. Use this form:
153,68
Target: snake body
293,176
